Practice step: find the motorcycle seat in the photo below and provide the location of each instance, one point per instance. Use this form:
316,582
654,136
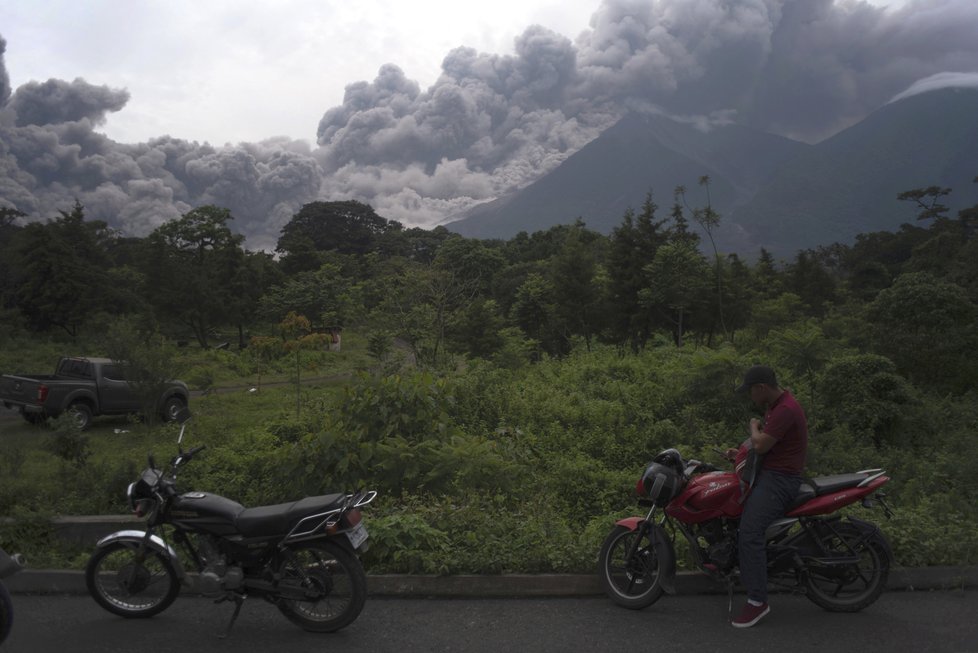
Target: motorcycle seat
827,484
279,519
806,491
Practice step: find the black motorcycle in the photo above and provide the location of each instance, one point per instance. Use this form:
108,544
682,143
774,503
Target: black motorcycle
9,565
300,556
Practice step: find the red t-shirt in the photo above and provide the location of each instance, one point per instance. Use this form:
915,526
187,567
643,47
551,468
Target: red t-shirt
785,421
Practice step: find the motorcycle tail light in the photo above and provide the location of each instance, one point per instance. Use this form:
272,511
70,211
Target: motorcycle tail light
349,520
640,487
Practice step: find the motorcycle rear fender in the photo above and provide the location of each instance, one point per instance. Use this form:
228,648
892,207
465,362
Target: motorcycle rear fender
663,550
873,532
10,564
155,542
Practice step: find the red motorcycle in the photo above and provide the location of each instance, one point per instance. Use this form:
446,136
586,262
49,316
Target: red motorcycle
840,563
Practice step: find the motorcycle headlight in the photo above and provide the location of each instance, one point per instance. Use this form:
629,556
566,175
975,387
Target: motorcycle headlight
141,495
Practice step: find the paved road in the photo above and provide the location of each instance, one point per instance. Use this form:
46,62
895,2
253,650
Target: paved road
939,622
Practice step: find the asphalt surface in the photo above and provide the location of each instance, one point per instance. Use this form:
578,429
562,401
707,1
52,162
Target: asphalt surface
924,621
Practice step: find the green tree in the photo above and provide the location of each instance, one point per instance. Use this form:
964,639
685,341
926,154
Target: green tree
807,278
60,271
924,324
535,312
470,262
263,350
250,278
323,294
348,227
419,304
192,267
769,276
803,349
709,220
776,313
739,293
8,229
577,295
478,329
633,245
865,393
677,278
928,201
297,336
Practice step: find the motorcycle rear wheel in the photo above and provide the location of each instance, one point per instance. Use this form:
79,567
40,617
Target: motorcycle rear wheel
631,583
849,588
125,585
6,612
331,577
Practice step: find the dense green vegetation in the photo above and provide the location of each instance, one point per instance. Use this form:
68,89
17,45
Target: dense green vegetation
503,396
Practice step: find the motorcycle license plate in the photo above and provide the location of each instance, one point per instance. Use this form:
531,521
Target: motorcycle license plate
358,535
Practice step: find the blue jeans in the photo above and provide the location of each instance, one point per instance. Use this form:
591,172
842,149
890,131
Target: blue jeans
772,495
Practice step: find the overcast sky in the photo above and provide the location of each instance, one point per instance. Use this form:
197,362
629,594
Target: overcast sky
243,70
422,110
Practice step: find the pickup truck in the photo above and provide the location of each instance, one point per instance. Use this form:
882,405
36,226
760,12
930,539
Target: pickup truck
84,388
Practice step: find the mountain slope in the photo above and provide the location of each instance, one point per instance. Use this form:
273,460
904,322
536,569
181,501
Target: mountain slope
771,192
614,172
848,184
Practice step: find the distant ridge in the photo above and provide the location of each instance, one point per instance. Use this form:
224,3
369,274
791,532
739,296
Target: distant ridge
771,192
612,173
848,184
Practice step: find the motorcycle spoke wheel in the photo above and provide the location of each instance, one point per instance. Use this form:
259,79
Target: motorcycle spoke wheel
330,577
630,581
848,587
126,584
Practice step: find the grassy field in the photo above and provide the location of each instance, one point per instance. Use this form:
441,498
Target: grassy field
47,470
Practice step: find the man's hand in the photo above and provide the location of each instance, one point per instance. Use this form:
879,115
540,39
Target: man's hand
731,454
762,441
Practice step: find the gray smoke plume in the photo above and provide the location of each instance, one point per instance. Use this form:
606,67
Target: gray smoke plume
492,123
4,76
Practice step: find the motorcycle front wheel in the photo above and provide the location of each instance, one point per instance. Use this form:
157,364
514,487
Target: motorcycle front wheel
6,612
630,581
851,586
129,584
332,580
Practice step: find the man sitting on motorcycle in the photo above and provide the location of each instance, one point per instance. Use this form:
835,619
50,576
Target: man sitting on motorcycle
782,441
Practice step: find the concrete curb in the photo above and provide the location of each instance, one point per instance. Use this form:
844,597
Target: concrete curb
85,531
52,581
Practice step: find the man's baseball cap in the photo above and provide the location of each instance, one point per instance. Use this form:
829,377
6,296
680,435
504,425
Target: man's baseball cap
758,374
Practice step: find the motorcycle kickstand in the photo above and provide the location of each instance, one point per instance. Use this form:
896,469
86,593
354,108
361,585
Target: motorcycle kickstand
238,602
730,588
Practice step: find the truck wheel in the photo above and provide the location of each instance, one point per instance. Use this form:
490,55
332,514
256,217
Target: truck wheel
81,413
171,408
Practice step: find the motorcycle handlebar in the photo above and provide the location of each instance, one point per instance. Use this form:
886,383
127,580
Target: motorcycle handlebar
195,450
186,456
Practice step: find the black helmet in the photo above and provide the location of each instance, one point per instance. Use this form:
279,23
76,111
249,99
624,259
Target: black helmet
664,478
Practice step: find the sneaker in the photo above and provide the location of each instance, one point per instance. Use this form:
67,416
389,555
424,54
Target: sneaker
750,615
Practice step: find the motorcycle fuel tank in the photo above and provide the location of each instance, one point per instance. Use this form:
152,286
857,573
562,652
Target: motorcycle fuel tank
206,512
706,497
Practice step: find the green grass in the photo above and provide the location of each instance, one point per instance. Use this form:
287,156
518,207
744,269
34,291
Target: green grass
36,484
